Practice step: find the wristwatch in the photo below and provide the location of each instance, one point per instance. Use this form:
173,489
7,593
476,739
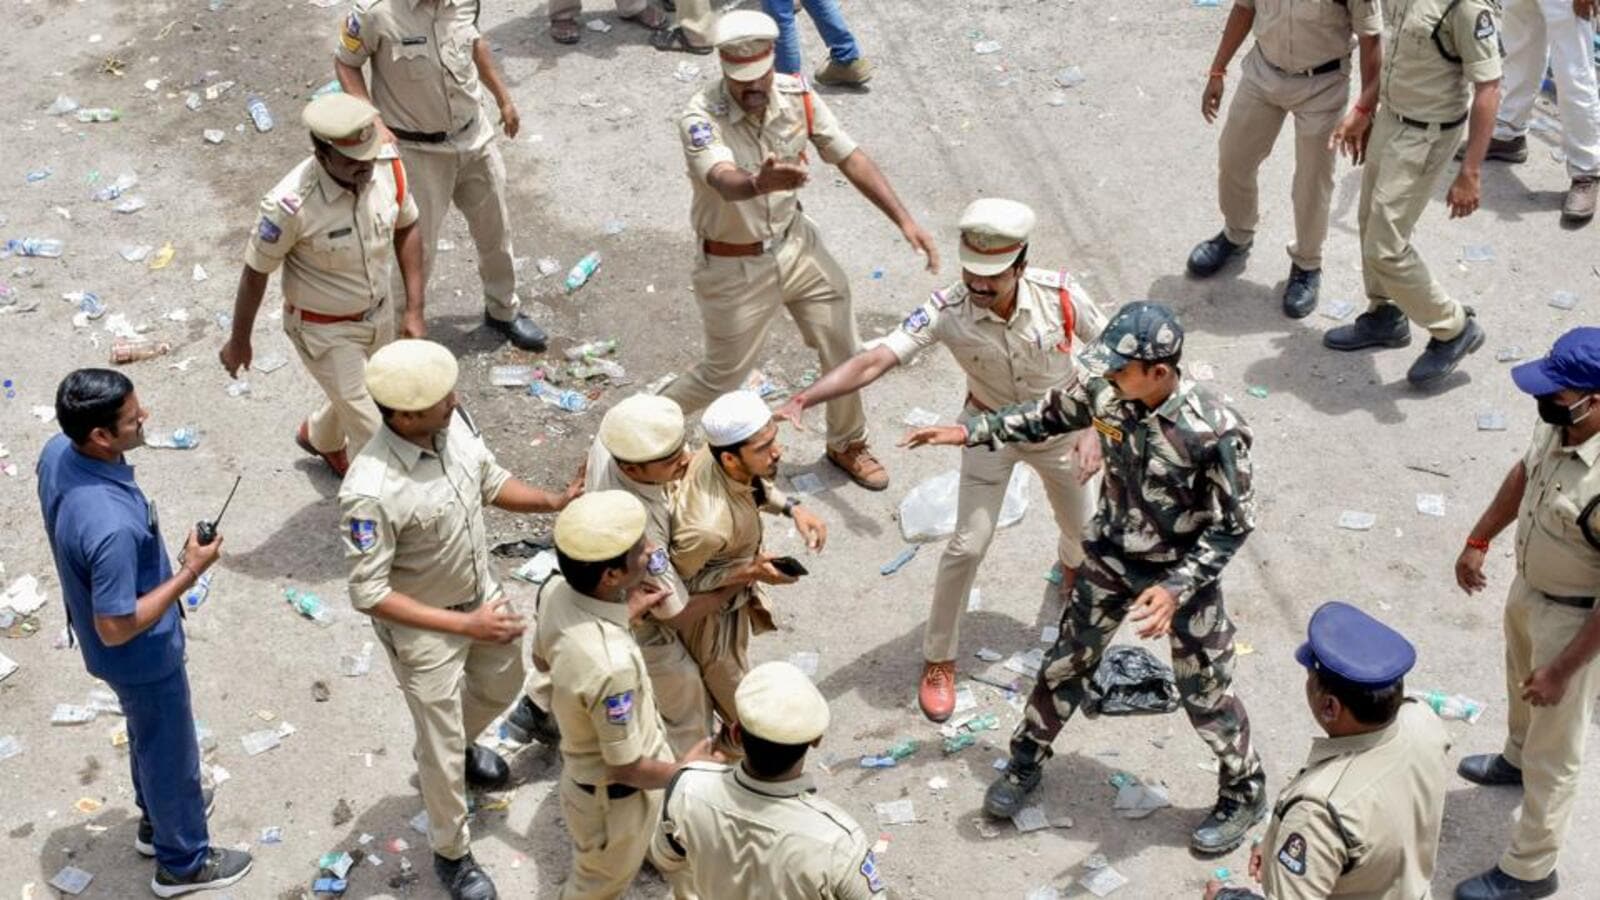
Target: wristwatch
789,504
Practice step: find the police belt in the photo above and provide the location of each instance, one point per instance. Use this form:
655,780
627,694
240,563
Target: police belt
317,318
613,791
1443,126
1577,602
431,137
1332,65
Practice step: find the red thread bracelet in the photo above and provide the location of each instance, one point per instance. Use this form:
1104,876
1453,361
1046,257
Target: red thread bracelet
1481,544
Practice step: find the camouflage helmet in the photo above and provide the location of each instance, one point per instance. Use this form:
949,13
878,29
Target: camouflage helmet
1143,330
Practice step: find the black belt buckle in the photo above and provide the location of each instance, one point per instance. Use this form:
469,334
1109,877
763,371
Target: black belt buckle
1443,126
431,137
613,791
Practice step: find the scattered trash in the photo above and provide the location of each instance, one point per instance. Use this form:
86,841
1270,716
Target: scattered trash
938,783
213,135
48,248
1508,354
896,812
1048,634
1450,706
1243,648
259,114
1028,663
272,834
329,886
548,266
1043,892
538,569
419,822
928,511
124,183
1102,880
185,438
1130,681
806,661
62,105
1138,800
1207,4
87,805
984,48
22,595
569,400
7,666
215,91
1070,77
38,175
1491,421
163,256
899,561
1431,504
136,253
354,665
9,747
591,349
71,714
687,72
614,227
1564,300
258,742
989,656
582,271
236,389
514,376
1477,253
1357,521
131,350
921,418
1338,310
337,863
71,880
309,605
199,273
98,114
1257,391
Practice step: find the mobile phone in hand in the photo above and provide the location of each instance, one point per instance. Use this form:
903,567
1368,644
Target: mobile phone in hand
790,566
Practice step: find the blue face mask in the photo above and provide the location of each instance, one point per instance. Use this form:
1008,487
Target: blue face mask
657,564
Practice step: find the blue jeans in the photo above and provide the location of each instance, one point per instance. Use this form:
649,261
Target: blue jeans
166,769
830,24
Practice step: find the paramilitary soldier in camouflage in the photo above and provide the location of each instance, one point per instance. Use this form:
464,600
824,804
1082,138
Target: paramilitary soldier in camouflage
1175,507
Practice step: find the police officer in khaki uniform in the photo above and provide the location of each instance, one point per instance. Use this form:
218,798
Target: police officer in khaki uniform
1011,329
1362,818
1301,65
1552,632
413,528
692,21
334,223
614,754
427,58
744,139
1441,69
760,825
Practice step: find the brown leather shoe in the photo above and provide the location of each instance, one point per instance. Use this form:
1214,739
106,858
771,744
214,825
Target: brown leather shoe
855,73
564,31
937,696
336,460
863,468
651,18
1580,202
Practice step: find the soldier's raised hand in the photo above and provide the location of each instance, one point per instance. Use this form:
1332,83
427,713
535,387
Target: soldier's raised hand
935,435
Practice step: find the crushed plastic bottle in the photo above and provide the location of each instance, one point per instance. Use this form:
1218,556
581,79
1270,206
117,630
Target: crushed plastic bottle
309,605
1451,706
38,175
45,247
124,183
582,271
196,597
259,114
131,350
571,401
903,749
98,114
184,438
590,349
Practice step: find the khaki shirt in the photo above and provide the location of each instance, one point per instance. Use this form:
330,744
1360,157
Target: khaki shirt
1420,81
775,840
336,248
715,130
716,528
601,696
423,76
1297,35
1552,555
603,474
412,519
1006,362
1362,819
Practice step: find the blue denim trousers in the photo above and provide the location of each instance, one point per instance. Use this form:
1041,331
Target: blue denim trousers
830,24
166,769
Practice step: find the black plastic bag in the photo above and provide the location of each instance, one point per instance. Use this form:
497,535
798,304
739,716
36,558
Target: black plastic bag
1131,682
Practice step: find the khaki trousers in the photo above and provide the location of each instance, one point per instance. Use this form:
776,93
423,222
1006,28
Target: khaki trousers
611,839
738,297
1546,742
1255,117
569,9
679,689
336,356
454,687
984,476
720,646
1403,167
475,181
695,18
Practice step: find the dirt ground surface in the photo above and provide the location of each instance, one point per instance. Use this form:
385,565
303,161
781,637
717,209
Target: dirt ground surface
1121,170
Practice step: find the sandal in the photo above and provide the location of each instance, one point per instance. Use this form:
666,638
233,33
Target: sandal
651,18
564,31
675,39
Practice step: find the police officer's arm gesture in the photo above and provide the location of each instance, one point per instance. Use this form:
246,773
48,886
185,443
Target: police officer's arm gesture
1240,18
510,119
1501,512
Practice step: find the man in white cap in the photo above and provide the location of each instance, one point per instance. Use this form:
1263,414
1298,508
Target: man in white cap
614,754
413,528
1011,328
427,61
334,223
760,825
744,139
716,538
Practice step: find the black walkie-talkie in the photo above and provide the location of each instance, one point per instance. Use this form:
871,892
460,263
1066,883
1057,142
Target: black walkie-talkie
205,532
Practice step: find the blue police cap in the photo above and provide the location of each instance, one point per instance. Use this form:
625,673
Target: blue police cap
1354,646
1574,362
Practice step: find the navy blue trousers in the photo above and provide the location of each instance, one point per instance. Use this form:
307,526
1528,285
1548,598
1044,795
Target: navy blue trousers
166,769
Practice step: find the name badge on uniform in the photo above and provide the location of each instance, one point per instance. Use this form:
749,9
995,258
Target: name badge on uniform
1111,431
619,708
1292,855
413,41
339,232
364,534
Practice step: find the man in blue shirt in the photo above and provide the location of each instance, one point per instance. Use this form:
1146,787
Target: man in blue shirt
123,606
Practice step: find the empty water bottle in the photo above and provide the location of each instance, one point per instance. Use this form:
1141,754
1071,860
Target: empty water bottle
259,113
1451,706
569,400
309,605
98,114
185,438
592,348
124,183
196,597
130,350
582,270
49,247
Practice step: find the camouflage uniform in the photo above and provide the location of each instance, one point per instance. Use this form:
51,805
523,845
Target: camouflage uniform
1175,506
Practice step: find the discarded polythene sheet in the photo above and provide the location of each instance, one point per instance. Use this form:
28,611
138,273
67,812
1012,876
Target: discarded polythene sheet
1131,682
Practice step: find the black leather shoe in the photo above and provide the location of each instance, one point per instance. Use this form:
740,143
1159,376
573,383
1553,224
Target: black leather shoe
1300,294
1005,796
1497,885
485,768
528,723
1385,326
1440,358
522,331
1210,255
464,878
1490,769
1227,826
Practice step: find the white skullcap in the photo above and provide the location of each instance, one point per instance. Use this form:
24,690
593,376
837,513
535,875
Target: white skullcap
734,417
